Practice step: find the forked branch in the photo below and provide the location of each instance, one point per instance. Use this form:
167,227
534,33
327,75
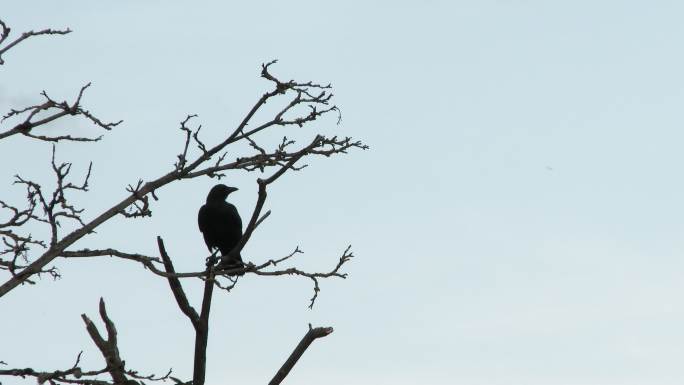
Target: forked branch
43,207
109,346
210,162
199,322
49,111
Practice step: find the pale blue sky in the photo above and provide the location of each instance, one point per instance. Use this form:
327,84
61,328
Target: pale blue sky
518,219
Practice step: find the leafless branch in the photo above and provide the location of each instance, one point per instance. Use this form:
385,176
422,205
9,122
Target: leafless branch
17,245
199,322
55,207
85,253
149,377
51,110
176,287
182,157
5,31
76,375
346,256
308,338
209,161
300,103
250,268
63,376
202,331
108,347
140,207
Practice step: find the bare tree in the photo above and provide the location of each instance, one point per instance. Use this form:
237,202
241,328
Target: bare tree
25,258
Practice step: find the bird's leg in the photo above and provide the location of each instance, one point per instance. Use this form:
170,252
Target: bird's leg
212,259
230,262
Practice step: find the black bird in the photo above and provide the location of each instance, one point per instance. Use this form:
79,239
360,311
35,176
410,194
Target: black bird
220,223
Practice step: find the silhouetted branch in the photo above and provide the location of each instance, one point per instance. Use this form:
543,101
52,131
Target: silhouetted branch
86,253
202,331
182,157
210,162
176,287
76,375
55,207
141,205
70,375
5,31
171,274
201,322
108,347
309,337
346,256
300,103
35,117
18,245
150,377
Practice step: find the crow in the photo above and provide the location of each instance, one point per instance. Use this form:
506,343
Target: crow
220,223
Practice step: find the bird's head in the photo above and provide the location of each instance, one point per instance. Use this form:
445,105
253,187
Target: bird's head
219,192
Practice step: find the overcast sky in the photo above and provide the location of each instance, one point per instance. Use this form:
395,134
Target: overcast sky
517,221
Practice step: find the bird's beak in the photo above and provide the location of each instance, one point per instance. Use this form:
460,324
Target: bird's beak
232,189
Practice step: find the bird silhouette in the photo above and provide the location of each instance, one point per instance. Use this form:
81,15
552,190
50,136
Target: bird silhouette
221,226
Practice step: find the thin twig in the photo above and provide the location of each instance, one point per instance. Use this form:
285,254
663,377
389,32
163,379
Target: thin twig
5,31
209,163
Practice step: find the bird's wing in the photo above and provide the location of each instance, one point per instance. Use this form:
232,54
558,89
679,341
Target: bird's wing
205,223
203,218
228,220
235,218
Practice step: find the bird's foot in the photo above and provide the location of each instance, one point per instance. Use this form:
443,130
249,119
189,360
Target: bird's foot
211,261
231,265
